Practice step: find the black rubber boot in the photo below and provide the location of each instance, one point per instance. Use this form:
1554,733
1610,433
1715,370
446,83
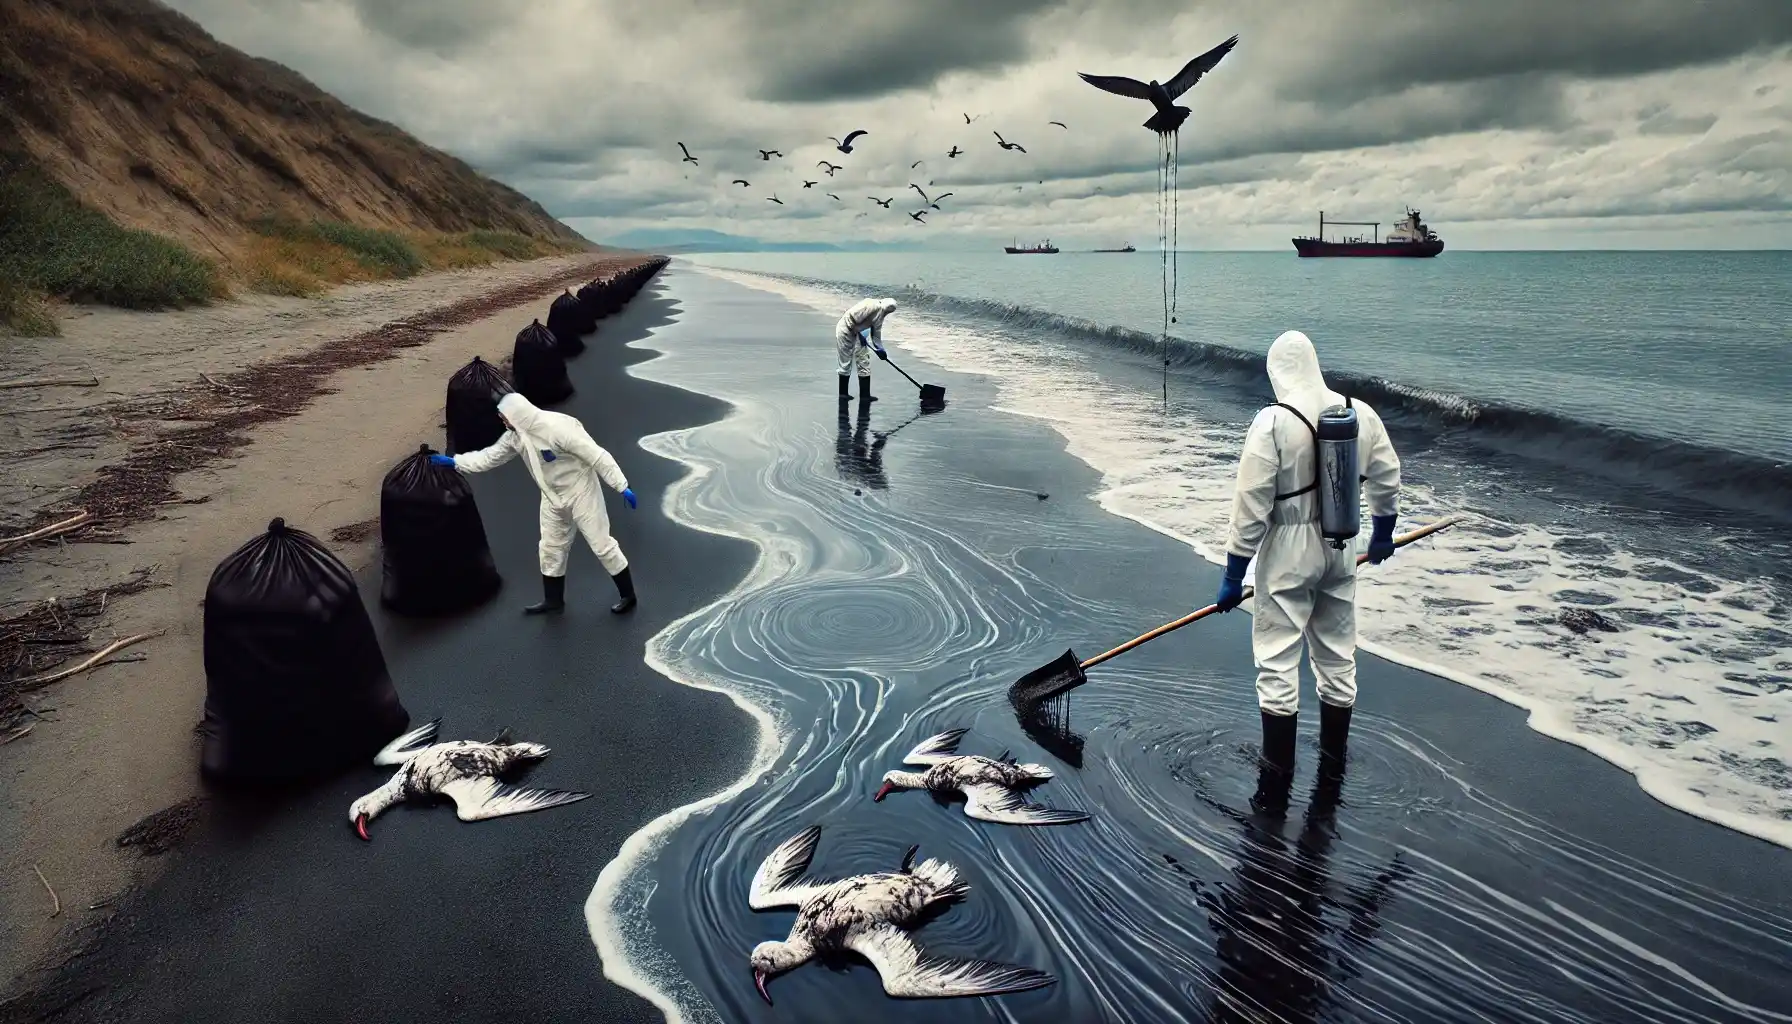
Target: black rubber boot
625,585
865,395
845,384
1275,770
553,596
1334,735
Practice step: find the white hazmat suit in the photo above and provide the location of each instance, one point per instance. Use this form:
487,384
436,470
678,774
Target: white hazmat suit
867,314
1305,588
571,501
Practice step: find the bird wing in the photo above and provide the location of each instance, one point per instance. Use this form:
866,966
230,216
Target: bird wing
853,135
835,198
484,797
918,191
683,150
937,748
740,181
1018,146
989,802
407,746
941,196
909,973
775,883
1059,124
916,164
1118,85
1194,69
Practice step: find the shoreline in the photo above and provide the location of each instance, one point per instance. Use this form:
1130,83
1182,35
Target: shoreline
218,936
1544,718
122,731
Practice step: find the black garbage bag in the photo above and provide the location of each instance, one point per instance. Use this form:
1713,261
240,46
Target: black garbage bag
473,394
564,318
593,303
435,557
295,683
538,368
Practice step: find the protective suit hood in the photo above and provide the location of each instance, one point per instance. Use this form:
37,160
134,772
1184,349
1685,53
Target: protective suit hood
522,413
1294,373
889,305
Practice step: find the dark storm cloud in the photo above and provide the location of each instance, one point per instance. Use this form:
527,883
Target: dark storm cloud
801,51
443,27
1356,48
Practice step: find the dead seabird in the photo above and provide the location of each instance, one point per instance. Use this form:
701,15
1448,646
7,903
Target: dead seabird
869,915
465,771
992,788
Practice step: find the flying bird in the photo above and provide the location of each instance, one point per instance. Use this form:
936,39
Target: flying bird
846,146
810,184
1168,117
835,198
917,215
830,168
740,181
688,158
1059,124
871,915
918,191
916,164
774,199
936,200
993,788
885,203
954,152
967,118
464,771
1005,144
767,154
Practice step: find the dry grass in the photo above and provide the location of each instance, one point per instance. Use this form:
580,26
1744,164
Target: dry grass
306,259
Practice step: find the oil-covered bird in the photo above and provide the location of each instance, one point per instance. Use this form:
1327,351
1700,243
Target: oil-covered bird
688,158
1169,116
1005,144
871,915
767,154
993,788
830,168
845,145
465,771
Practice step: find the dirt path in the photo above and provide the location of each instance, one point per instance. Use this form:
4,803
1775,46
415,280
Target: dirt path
201,426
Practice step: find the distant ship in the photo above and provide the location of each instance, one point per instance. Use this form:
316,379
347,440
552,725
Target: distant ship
1409,237
1125,248
1043,247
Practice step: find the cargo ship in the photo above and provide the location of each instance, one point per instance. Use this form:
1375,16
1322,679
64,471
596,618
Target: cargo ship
1043,247
1409,237
1125,248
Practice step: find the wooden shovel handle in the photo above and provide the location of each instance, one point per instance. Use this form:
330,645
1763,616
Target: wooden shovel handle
1196,616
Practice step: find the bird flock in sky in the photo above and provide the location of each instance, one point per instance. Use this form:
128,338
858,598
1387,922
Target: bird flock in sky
846,146
1165,122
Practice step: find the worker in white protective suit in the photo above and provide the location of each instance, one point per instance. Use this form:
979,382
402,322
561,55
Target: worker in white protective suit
859,333
567,465
1305,588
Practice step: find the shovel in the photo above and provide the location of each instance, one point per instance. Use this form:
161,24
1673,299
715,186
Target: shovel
1065,673
933,396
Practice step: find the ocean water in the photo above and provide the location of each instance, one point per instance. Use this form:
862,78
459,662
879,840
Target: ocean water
1615,423
1462,869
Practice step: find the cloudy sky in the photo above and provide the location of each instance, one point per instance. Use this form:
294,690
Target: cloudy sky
1511,123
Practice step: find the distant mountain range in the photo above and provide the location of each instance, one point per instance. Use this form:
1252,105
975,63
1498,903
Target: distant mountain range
675,240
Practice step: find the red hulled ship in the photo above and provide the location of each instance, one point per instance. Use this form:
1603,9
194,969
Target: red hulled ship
1409,237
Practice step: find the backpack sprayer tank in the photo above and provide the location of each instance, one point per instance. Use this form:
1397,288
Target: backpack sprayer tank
1340,486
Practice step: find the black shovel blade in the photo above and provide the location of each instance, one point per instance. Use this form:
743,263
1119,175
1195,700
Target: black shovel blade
1047,682
933,396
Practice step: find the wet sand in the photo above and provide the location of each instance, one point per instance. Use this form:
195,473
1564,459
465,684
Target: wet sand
115,745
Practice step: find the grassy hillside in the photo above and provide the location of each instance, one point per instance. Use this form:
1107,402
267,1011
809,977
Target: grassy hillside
145,164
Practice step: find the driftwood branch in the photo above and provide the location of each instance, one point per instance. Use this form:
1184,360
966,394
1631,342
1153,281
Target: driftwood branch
8,543
17,734
214,382
91,662
57,900
51,382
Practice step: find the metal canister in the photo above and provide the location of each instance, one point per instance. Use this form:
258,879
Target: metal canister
1340,485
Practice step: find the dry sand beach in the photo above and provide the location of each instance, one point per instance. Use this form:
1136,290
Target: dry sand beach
361,380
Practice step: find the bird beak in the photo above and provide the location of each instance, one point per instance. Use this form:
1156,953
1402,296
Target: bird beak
885,789
361,827
759,983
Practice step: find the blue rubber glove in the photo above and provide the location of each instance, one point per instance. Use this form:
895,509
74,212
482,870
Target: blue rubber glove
1231,593
442,460
547,455
881,354
628,495
1381,539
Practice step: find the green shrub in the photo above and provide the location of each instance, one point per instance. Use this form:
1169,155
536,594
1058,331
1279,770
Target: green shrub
383,253
50,243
